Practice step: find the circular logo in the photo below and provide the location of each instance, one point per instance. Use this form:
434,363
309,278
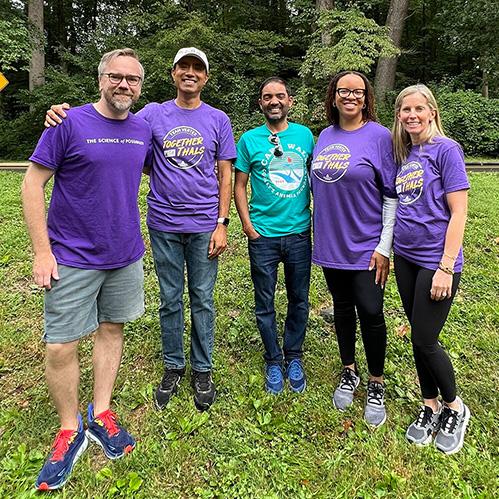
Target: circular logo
286,172
331,163
409,182
183,147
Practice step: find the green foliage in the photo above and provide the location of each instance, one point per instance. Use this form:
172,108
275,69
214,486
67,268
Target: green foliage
471,120
15,45
356,42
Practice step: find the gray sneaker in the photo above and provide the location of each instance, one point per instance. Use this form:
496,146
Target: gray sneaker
421,431
450,437
375,412
343,395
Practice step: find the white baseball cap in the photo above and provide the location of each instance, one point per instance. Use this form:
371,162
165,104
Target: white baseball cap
194,52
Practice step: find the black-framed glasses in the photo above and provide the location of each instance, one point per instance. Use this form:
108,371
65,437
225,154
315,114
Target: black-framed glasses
274,140
358,93
116,79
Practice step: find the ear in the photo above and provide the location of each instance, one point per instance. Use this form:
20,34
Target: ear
260,104
291,101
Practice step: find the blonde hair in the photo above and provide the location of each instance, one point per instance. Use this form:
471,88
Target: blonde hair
401,139
125,52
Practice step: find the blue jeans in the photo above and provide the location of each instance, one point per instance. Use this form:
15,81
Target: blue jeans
294,252
171,252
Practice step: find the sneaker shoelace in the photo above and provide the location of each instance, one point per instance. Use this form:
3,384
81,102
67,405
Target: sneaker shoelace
449,420
203,381
108,419
375,393
295,370
424,416
169,380
347,381
274,374
61,444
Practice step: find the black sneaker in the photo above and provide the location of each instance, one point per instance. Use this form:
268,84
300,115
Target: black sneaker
168,386
204,389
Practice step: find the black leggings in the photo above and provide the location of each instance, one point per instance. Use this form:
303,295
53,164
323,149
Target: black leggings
356,289
427,318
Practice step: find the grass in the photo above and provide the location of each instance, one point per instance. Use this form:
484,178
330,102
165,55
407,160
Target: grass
250,444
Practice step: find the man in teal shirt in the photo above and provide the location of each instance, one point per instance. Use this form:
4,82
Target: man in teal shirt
274,157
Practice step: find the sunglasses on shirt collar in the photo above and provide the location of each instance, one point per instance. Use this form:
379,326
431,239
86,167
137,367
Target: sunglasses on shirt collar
274,140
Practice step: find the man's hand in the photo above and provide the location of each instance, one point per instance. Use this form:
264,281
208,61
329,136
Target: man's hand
218,241
55,113
251,233
45,269
441,286
382,265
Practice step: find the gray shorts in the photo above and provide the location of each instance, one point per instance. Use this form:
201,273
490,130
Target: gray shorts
81,299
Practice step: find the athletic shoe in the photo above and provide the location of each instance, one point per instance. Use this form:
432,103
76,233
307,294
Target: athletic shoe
375,411
450,437
274,380
168,387
421,431
296,376
67,448
343,395
204,389
105,431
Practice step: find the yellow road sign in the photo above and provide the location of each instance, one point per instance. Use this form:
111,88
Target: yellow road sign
3,82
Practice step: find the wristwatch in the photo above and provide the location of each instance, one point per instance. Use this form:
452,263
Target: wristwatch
223,220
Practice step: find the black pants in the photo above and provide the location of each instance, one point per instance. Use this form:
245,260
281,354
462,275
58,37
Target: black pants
355,290
427,318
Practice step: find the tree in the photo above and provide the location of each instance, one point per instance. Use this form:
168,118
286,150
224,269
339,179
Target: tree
385,71
37,63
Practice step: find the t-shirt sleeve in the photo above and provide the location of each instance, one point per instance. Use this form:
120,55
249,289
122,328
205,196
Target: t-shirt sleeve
453,170
51,148
243,162
226,144
386,169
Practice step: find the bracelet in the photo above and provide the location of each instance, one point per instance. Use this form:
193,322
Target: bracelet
445,269
453,258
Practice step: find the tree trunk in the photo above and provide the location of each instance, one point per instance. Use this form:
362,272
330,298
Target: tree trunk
385,71
322,5
37,63
485,84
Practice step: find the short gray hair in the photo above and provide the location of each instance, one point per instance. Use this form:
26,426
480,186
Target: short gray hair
125,52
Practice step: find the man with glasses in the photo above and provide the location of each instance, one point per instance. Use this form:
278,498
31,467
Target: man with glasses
88,254
275,157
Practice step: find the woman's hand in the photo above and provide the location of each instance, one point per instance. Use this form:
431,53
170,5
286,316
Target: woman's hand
441,286
382,265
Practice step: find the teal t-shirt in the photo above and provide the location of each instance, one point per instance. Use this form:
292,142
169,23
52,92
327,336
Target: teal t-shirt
280,191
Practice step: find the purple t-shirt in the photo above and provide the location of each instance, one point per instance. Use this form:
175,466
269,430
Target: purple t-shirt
351,172
187,143
430,172
93,218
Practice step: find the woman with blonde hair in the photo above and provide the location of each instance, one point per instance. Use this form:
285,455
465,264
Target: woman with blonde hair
432,187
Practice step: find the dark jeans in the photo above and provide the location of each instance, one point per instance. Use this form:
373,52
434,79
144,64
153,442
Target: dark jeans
356,290
427,318
295,252
172,252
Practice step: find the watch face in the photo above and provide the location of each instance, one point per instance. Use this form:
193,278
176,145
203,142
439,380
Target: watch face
223,220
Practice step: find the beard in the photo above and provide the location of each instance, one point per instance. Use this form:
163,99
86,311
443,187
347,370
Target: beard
116,101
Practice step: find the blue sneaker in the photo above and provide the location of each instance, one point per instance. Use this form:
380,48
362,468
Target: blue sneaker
104,430
296,376
67,448
274,381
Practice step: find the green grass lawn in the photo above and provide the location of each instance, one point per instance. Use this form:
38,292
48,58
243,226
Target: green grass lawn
250,444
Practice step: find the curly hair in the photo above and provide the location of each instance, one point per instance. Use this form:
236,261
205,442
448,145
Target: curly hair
368,113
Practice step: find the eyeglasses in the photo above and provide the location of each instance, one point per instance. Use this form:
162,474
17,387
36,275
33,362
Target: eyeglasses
358,93
274,140
116,79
